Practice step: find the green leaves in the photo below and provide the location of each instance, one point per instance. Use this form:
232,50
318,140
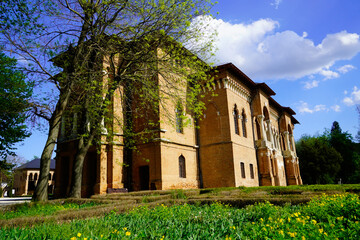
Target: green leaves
14,95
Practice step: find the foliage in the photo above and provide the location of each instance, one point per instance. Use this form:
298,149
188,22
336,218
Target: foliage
319,161
104,46
14,95
325,217
343,143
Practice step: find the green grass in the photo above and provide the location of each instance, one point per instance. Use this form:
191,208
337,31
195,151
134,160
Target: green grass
40,209
324,217
236,213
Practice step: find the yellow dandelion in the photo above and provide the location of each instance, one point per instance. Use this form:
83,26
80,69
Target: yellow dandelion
303,238
281,232
292,234
321,230
85,238
124,228
232,227
101,236
79,234
128,233
313,221
73,238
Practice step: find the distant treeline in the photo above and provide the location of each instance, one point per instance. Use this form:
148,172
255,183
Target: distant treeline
332,157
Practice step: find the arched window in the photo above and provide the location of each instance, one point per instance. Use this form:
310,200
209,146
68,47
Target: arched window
35,176
236,117
179,118
31,177
182,167
49,176
243,122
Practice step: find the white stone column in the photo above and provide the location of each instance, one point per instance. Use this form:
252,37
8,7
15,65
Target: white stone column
292,142
287,140
268,123
26,184
262,129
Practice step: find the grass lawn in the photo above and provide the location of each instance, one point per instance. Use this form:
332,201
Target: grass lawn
299,212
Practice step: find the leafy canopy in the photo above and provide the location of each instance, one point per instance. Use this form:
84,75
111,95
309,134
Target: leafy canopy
14,95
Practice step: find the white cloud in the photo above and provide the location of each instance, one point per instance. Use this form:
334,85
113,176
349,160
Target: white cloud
276,3
263,53
311,84
328,74
354,97
336,108
346,68
304,108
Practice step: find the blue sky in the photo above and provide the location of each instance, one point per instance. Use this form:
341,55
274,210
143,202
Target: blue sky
307,51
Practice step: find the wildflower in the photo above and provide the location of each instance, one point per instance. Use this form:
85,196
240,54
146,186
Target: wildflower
292,234
124,228
321,230
73,238
302,238
313,221
232,227
128,233
79,234
281,232
162,238
85,239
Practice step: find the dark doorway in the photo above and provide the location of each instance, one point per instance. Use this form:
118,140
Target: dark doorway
144,177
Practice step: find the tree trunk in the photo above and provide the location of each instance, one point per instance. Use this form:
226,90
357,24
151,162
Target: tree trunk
41,190
78,166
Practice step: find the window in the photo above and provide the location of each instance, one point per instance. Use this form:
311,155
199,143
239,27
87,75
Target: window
49,176
35,177
179,118
242,165
236,116
251,171
182,167
243,122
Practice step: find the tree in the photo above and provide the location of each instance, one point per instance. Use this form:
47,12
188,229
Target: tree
343,143
14,95
320,162
108,44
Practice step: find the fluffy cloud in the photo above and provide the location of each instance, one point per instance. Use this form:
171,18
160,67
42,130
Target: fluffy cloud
263,53
276,3
354,97
304,108
336,108
311,84
346,68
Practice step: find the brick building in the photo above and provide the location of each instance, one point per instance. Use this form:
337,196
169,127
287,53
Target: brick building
244,139
27,175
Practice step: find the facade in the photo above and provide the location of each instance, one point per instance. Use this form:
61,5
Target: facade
243,139
27,175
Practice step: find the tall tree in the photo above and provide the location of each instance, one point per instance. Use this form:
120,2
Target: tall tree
343,143
319,161
111,42
14,95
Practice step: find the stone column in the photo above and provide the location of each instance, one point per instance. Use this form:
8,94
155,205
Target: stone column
268,123
26,184
101,178
261,123
292,142
287,140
